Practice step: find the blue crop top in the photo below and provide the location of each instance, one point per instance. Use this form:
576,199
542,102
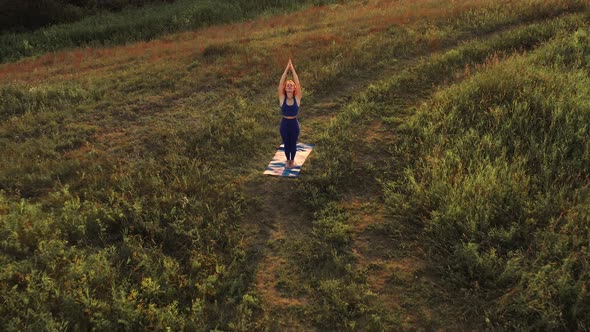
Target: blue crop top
290,110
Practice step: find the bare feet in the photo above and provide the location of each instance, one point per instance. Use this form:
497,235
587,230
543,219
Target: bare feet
290,164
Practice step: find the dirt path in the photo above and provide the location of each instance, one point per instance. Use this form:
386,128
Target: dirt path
281,218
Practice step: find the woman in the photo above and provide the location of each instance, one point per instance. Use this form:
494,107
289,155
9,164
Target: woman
289,99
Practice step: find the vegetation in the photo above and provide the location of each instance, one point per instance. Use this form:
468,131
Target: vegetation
31,15
500,185
127,25
447,188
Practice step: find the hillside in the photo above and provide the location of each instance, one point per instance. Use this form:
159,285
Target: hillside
448,188
67,24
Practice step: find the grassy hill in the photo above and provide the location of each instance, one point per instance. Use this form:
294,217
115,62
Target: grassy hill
127,24
448,188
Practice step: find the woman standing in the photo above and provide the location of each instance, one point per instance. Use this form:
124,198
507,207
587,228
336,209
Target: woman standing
290,99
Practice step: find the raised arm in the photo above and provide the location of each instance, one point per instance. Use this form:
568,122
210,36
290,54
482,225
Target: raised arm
281,87
297,83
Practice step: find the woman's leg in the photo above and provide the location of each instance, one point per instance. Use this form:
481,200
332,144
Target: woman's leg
285,136
294,137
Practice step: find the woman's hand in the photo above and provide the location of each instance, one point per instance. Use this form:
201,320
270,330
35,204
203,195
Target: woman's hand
281,86
289,66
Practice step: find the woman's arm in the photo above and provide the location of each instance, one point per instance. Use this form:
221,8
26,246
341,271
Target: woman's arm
297,83
281,87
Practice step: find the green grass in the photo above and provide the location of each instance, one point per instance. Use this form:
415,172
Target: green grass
471,210
143,24
123,206
500,173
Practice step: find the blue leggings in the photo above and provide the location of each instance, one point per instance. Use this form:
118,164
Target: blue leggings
290,133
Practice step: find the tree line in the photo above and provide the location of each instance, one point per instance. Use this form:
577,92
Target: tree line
27,15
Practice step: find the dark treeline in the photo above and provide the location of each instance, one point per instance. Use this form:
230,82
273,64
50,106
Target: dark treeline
26,15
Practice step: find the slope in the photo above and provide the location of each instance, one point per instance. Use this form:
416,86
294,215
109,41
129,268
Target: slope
131,187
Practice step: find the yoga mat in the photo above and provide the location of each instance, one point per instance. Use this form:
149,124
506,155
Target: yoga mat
277,164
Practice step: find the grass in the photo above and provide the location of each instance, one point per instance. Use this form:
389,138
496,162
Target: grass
125,174
490,208
137,24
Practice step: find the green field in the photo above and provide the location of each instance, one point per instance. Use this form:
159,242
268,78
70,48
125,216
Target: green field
129,24
448,188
